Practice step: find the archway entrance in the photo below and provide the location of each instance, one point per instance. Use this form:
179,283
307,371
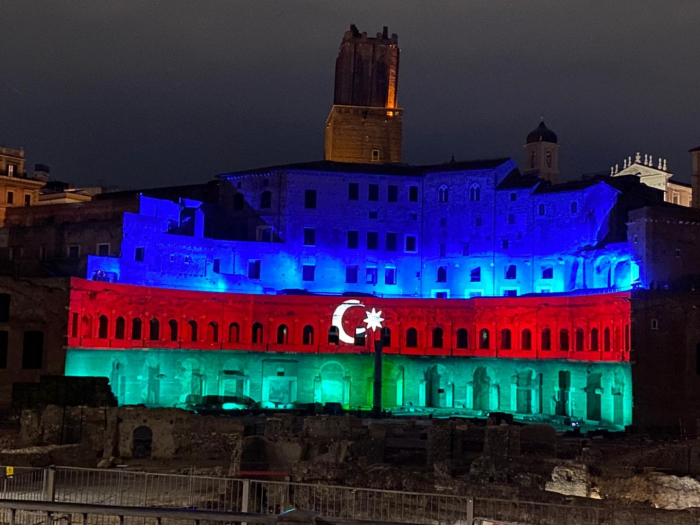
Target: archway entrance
594,392
563,394
438,387
485,391
142,443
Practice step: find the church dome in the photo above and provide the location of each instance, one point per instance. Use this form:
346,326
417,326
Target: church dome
541,134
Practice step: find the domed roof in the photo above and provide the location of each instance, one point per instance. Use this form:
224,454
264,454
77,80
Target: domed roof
541,134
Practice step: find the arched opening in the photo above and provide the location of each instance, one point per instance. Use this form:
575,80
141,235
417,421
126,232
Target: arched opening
441,274
194,329
462,338
618,396
307,335
579,339
332,385
623,274
257,333
474,193
437,337
282,334
526,339
117,381
438,387
392,385
594,340
443,193
120,328
172,324
86,327
234,333
603,273
506,342
606,340
484,339
528,393
142,443
562,396
192,382
546,343
213,332
136,326
593,396
333,335
386,337
563,339
411,338
103,328
154,330
485,391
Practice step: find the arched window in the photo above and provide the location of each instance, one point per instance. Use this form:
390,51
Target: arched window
526,339
234,333
103,328
441,274
193,330
282,334
172,324
579,339
443,193
462,338
154,329
594,340
257,333
411,338
213,332
120,328
266,200
563,339
136,329
86,326
606,340
386,336
533,159
546,343
475,193
511,271
437,337
238,202
333,335
308,335
484,339
505,339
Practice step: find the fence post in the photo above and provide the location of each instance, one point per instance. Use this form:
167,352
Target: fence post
470,510
50,484
245,497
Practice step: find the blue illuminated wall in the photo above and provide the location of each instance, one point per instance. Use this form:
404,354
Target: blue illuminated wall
477,231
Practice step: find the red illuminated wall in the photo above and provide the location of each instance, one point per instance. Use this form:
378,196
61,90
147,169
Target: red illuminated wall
96,309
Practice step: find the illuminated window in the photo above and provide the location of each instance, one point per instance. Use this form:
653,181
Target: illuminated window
372,240
307,335
309,237
310,199
484,339
413,193
371,275
411,338
389,275
563,339
351,274
373,192
353,239
266,200
254,269
308,272
511,272
238,202
392,193
441,274
547,272
391,242
462,338
410,243
546,343
526,339
594,340
437,337
353,191
475,275
574,207
541,210
139,254
10,170
475,193
443,194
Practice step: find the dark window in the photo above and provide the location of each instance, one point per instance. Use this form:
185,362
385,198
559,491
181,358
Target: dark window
307,335
478,221
563,339
484,339
443,222
360,336
441,274
282,334
411,338
442,249
475,193
475,275
333,335
373,192
309,237
217,266
254,269
257,333
386,336
574,208
547,272
266,183
465,248
462,338
353,239
505,244
33,350
154,330
354,191
511,272
4,307
10,197
238,202
606,340
266,200
513,197
579,338
410,243
3,348
310,199
526,340
506,341
371,275
172,324
74,325
442,295
391,242
627,338
234,333
594,340
136,328
193,331
510,293
372,240
389,275
103,250
351,274
437,337
103,327
392,194
375,155
308,272
73,252
541,210
546,339
139,254
372,215
413,193
511,218
443,194
213,332
120,328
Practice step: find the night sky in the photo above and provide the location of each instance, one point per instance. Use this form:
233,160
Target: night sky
150,93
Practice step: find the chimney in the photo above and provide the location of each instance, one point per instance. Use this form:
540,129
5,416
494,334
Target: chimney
695,177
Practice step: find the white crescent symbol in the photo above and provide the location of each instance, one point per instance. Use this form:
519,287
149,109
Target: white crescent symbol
337,320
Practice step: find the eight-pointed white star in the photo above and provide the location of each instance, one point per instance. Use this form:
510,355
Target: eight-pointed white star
374,319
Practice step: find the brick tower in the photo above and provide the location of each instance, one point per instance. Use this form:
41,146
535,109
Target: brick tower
365,124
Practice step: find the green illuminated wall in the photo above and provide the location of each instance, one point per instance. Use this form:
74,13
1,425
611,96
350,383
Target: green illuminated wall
593,391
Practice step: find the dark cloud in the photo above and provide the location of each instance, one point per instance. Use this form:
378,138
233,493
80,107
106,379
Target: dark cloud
150,93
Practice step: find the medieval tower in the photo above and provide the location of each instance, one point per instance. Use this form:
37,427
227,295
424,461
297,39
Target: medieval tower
542,153
365,124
